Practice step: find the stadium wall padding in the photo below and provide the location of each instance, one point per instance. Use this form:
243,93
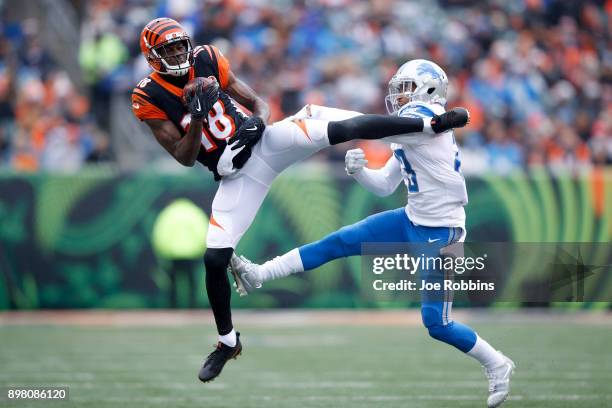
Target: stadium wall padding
83,240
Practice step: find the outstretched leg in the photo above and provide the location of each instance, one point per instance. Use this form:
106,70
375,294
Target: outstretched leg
381,126
299,136
388,226
343,127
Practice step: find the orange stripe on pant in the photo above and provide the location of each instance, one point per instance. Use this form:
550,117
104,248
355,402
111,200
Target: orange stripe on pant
215,223
302,125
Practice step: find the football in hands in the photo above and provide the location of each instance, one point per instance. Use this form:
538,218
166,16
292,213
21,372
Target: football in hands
197,83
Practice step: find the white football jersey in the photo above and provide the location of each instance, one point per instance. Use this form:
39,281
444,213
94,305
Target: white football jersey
431,169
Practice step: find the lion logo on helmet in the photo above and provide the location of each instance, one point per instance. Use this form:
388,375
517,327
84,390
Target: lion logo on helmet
426,68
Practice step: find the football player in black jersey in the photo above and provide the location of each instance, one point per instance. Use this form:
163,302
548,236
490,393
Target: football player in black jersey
189,136
198,122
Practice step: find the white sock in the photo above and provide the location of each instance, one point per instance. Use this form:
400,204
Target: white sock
427,126
282,266
485,354
229,339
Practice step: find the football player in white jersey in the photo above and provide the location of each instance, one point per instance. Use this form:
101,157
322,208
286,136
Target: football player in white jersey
430,167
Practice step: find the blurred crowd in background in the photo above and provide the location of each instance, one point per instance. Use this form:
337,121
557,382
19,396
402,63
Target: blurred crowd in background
535,74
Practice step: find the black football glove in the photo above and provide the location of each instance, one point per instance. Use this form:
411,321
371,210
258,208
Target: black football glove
248,134
201,100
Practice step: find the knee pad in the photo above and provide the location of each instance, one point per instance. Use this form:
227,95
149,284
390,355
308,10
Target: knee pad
432,319
453,333
441,333
431,316
217,259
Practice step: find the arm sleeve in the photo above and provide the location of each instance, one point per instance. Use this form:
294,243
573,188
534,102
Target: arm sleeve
372,127
381,182
143,107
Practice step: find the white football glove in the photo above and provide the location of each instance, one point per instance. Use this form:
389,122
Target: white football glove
225,166
354,161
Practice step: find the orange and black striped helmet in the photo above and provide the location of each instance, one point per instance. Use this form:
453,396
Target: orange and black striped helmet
167,47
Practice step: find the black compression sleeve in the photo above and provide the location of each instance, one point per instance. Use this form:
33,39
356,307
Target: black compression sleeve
218,287
371,127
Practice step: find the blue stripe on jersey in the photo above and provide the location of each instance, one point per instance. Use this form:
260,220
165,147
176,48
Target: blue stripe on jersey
424,110
421,110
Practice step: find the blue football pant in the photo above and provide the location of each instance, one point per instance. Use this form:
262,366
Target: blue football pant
394,226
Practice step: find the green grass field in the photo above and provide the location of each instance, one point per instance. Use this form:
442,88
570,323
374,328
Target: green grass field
307,365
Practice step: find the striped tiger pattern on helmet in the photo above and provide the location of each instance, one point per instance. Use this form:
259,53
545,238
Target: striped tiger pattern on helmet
158,33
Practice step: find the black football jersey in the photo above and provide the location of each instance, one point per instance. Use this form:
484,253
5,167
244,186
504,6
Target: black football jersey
157,97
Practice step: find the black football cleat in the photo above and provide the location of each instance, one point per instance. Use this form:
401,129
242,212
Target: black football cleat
216,360
454,118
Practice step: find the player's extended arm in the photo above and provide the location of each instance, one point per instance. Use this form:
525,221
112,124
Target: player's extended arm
381,126
246,96
184,149
381,182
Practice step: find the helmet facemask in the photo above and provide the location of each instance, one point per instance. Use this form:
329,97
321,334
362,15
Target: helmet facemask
399,87
173,57
412,90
